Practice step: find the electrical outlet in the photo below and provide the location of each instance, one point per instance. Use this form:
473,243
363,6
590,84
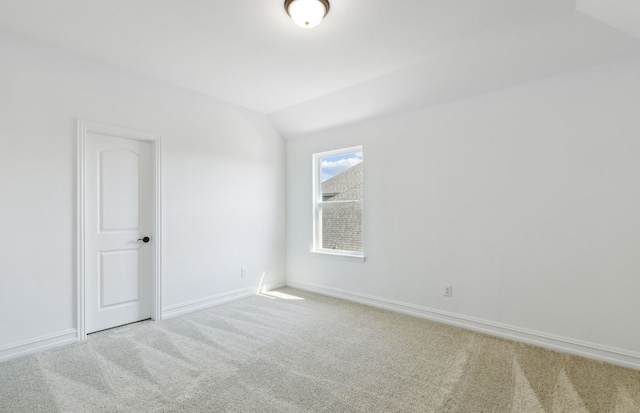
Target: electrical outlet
243,272
447,291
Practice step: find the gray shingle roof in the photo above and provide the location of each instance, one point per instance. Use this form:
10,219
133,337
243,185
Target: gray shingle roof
342,224
344,182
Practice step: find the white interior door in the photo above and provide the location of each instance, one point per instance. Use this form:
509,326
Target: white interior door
118,215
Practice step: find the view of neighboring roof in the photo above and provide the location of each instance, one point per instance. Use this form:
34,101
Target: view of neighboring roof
342,224
345,186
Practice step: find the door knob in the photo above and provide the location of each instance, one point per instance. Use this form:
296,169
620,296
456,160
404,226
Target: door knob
145,239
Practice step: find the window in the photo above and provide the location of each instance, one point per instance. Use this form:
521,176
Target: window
337,198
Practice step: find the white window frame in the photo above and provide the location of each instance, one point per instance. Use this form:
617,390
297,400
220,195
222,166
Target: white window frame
318,203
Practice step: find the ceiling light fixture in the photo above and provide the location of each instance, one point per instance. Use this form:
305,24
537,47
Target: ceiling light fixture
307,13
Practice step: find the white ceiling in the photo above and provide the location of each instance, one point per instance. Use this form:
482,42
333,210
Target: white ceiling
368,58
621,14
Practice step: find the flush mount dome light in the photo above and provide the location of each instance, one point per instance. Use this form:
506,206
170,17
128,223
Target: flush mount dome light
307,13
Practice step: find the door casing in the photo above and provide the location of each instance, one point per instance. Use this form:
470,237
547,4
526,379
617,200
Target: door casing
84,128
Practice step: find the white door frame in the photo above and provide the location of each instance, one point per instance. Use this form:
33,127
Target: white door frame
85,127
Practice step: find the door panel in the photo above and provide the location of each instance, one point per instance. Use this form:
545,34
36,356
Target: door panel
119,190
117,213
118,278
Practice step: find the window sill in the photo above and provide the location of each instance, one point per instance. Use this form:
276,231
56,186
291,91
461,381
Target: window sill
340,256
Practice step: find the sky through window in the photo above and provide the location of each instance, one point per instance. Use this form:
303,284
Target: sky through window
334,165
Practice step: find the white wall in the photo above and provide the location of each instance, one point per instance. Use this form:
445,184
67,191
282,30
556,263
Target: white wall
223,194
526,200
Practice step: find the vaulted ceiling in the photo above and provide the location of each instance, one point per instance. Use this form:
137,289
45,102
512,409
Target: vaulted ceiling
368,58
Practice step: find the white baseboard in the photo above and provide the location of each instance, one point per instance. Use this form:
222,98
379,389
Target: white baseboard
273,286
35,345
563,344
206,302
213,300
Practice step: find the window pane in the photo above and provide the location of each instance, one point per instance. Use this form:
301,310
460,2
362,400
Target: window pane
342,177
342,227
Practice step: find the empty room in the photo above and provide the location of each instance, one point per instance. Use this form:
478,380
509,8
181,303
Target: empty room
320,206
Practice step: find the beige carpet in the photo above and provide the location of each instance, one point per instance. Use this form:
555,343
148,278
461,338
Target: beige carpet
294,351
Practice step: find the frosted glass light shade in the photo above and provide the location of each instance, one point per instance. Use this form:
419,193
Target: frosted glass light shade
307,13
